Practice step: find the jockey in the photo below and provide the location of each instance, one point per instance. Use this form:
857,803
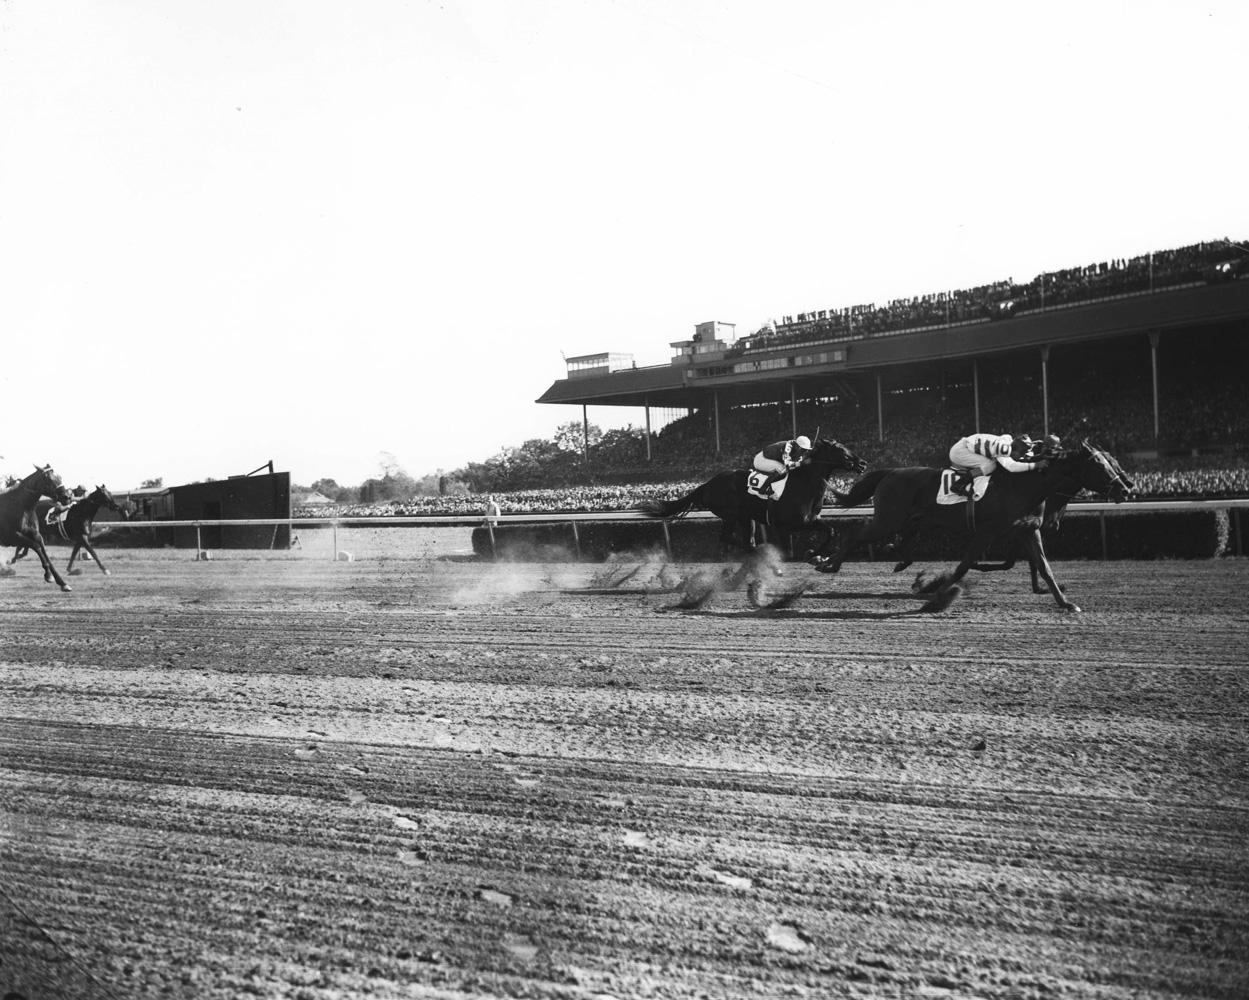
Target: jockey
56,513
978,455
779,457
1050,446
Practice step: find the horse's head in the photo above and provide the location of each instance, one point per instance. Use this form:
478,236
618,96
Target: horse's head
101,496
46,482
835,455
1098,472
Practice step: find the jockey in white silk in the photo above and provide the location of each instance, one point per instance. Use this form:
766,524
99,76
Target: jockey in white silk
981,454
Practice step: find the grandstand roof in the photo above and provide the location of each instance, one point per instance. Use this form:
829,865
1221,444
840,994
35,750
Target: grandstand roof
833,367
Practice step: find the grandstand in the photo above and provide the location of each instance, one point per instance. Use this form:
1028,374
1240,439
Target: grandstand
1146,355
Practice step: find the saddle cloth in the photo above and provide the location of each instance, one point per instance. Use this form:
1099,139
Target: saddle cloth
945,488
56,519
756,479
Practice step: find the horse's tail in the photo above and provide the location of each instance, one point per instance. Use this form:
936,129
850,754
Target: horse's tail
861,490
673,508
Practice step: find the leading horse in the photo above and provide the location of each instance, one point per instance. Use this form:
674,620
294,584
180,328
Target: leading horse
18,524
75,526
906,499
726,495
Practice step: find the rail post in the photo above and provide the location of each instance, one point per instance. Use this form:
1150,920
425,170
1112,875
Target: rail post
494,549
576,539
334,531
667,538
1101,517
199,549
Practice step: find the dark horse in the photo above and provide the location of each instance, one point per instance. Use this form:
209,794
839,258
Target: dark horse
799,507
18,525
1014,505
1055,507
75,526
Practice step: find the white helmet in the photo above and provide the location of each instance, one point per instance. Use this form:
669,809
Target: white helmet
803,442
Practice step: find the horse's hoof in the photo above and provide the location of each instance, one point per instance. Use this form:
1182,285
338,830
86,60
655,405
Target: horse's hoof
107,573
66,587
1073,608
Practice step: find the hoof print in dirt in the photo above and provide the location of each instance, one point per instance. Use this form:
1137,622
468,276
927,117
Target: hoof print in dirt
787,937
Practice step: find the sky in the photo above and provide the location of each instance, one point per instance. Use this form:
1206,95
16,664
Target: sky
334,235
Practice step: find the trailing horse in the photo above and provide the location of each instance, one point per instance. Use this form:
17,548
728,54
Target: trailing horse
75,526
18,524
798,507
906,500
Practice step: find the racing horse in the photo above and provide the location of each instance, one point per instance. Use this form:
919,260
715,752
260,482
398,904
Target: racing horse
906,500
75,526
726,495
18,524
1055,507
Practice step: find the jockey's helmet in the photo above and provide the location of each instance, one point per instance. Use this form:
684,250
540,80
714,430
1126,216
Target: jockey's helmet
803,442
1051,443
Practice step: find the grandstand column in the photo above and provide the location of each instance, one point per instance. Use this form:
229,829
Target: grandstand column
715,409
793,408
646,407
880,409
975,391
585,432
1153,355
1045,389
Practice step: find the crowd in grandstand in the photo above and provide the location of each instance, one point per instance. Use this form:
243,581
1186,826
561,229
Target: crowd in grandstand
1219,260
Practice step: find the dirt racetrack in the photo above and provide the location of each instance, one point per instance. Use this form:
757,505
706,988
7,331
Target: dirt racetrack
281,776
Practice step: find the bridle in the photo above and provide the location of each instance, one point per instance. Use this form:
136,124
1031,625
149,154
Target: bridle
1117,475
44,481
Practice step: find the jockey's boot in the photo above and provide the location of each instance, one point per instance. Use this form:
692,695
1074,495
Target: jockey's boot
963,484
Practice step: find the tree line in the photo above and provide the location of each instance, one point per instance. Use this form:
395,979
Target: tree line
537,463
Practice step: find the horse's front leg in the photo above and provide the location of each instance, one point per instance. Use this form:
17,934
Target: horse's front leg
825,540
86,543
1036,556
873,531
18,553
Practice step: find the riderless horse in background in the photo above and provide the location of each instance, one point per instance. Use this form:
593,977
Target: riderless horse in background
19,526
728,496
906,499
74,525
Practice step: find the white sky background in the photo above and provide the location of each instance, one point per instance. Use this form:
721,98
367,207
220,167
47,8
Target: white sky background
314,232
